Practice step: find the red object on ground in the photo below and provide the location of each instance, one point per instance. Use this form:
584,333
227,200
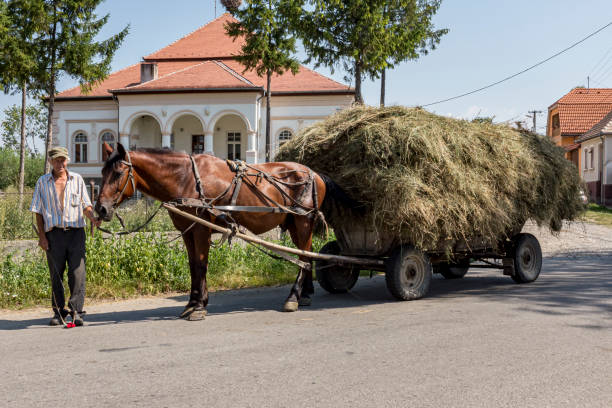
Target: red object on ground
69,325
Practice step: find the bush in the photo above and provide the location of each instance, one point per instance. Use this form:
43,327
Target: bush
142,264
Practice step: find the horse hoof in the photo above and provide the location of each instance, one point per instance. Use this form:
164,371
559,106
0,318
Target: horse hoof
290,306
305,301
185,313
196,315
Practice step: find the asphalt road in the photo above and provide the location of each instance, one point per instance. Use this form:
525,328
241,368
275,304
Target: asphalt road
482,341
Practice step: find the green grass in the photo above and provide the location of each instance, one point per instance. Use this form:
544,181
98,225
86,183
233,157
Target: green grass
599,214
142,264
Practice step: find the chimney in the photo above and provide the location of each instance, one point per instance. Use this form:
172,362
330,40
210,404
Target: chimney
148,71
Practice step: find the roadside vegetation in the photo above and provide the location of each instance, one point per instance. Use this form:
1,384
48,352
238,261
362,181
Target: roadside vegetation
141,264
598,214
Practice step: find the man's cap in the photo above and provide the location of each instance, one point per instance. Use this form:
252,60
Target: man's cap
58,151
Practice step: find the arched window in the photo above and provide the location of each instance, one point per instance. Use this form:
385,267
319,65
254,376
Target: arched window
80,148
109,138
283,136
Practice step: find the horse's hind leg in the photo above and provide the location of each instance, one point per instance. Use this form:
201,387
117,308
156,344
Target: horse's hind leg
198,245
301,235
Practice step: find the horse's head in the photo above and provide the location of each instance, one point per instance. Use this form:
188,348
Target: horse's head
117,181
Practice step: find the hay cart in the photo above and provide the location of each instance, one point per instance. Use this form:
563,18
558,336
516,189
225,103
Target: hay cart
408,270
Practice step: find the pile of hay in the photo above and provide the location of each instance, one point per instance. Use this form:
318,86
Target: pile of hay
427,179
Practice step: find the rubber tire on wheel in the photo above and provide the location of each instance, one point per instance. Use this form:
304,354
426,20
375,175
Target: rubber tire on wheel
336,278
527,256
408,273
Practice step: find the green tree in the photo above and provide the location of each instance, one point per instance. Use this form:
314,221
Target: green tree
65,45
364,36
35,127
410,33
269,45
16,62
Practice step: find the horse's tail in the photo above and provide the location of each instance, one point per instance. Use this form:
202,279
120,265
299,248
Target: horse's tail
337,204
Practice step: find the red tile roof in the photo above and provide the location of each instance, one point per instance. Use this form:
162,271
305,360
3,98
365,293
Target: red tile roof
581,109
209,41
602,127
181,68
201,76
126,77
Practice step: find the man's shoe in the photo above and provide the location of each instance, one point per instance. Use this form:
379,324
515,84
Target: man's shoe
78,320
55,320
58,320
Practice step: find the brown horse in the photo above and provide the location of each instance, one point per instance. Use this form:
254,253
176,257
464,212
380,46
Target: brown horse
166,175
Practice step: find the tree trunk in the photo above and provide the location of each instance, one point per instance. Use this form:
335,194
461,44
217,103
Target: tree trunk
382,87
22,145
51,89
268,98
358,96
49,141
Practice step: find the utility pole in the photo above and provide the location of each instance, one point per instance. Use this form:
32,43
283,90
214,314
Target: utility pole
534,114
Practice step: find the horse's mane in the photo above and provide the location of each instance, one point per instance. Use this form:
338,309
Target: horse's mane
114,157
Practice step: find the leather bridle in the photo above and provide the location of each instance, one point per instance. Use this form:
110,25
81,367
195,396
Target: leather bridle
130,178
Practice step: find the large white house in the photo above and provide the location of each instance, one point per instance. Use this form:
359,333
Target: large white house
192,96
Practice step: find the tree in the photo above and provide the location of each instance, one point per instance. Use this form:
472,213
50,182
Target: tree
364,36
16,62
268,46
410,32
65,45
35,127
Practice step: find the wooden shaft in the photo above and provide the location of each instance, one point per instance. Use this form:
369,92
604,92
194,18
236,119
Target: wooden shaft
314,255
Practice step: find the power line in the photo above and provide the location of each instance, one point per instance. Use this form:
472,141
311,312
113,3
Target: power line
523,71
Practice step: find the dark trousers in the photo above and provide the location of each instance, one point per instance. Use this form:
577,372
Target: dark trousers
67,246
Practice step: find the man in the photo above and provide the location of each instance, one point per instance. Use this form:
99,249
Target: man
60,200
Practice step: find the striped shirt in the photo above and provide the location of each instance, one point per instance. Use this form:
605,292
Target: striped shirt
45,202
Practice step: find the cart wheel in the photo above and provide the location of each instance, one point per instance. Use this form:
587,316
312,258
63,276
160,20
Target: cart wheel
408,273
334,278
453,271
527,256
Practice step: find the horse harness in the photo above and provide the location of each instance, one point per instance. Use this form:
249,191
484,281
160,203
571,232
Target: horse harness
242,173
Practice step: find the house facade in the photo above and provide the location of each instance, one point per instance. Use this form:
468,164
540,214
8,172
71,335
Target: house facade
192,96
596,167
573,115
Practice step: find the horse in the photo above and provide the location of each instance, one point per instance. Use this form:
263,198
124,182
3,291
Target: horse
166,175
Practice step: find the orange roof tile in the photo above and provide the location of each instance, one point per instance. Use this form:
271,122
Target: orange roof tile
123,78
581,108
306,80
602,127
205,75
209,41
181,67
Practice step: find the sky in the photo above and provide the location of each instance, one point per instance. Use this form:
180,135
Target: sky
488,41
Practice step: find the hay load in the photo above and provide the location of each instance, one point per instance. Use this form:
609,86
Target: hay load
428,179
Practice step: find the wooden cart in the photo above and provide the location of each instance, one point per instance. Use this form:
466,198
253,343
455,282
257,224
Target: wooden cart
408,270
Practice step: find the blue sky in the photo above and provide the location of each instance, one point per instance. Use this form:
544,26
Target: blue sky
488,41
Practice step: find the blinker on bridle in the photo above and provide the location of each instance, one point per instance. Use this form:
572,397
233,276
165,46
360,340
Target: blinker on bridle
130,178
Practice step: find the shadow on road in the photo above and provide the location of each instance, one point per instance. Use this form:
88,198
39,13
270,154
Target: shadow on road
567,285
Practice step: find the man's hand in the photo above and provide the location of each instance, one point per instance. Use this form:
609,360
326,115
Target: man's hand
43,242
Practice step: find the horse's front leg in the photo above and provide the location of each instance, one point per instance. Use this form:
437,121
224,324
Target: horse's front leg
198,245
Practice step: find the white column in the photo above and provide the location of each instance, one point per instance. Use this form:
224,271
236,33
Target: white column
208,143
251,154
124,139
166,142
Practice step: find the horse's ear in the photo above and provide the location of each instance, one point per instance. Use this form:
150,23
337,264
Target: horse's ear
107,150
121,151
